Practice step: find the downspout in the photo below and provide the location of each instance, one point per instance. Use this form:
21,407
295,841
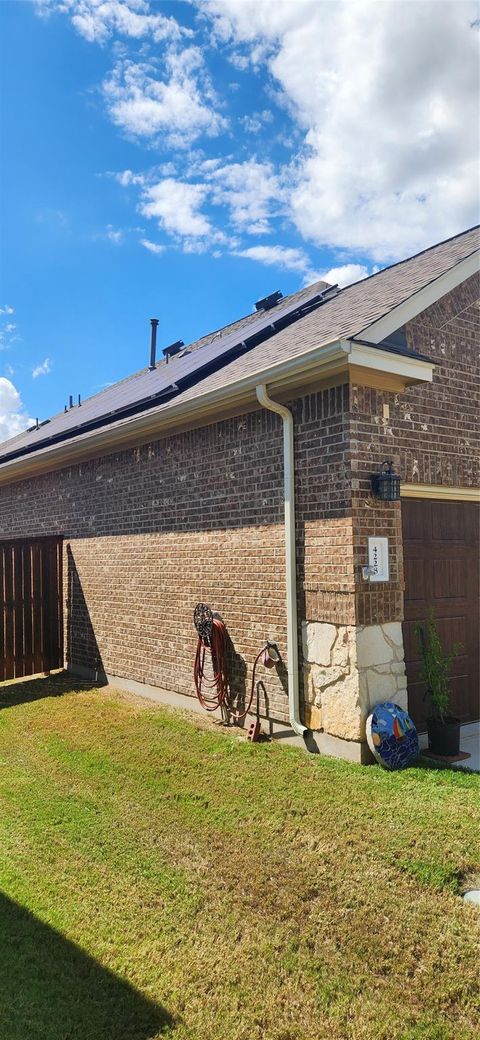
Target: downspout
290,555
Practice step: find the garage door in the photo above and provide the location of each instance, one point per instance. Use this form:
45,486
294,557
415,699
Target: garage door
441,555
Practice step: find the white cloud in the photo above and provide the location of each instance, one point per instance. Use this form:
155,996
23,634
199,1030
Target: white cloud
180,106
153,247
43,369
97,20
386,95
127,177
382,127
8,334
255,122
245,22
179,102
13,417
297,260
252,193
252,124
277,256
114,235
343,275
251,190
177,205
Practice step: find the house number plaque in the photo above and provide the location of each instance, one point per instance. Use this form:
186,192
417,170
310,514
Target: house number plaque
378,559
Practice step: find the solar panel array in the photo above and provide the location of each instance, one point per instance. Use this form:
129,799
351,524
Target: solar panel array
144,389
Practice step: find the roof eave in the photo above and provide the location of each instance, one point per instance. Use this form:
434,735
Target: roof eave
369,366
401,369
420,300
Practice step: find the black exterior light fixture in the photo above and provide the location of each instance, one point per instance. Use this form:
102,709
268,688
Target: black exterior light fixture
386,483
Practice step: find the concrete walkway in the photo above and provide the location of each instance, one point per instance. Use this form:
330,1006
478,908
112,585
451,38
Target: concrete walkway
469,741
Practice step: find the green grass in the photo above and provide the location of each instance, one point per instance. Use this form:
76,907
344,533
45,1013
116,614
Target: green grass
164,878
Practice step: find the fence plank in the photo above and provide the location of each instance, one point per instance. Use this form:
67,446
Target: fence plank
3,614
28,608
31,620
9,649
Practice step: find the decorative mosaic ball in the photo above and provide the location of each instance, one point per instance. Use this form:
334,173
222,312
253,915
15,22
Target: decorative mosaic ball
392,736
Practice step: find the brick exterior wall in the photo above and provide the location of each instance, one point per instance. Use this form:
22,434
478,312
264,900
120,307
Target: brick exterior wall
151,531
195,516
432,434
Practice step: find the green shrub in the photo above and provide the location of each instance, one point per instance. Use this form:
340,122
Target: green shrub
436,666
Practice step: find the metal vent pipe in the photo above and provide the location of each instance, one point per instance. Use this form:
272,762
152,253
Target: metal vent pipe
153,344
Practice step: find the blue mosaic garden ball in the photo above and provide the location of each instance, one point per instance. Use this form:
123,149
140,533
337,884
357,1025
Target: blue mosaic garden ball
392,737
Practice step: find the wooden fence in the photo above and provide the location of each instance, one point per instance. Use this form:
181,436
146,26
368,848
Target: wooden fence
31,618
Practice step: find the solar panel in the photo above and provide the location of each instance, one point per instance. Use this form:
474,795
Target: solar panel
142,391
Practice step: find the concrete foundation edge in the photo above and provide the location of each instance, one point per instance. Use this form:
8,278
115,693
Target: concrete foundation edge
316,743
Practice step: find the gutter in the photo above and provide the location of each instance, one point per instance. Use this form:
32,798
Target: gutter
290,555
191,406
322,360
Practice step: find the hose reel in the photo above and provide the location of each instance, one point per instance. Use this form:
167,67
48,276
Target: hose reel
203,621
212,646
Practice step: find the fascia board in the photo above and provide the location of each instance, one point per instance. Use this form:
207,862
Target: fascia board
420,300
412,369
324,360
328,357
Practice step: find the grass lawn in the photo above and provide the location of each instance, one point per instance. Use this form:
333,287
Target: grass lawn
163,878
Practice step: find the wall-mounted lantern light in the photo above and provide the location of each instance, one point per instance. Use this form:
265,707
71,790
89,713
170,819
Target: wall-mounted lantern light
386,484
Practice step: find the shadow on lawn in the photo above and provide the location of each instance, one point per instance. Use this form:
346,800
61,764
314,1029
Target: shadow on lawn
35,689
50,989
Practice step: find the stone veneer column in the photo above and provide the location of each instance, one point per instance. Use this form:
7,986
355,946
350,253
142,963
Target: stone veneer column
347,670
353,655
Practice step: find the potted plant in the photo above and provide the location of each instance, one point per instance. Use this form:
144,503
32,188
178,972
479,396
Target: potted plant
442,727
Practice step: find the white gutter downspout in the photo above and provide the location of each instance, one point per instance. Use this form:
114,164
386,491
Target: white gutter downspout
290,556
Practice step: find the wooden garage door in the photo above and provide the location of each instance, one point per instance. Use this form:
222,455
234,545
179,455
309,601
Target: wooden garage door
441,554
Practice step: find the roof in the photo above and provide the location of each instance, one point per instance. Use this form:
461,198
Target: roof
316,316
140,387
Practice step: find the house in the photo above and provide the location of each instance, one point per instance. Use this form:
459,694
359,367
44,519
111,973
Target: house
238,472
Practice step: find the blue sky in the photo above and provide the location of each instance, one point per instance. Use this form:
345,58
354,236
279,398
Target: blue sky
181,160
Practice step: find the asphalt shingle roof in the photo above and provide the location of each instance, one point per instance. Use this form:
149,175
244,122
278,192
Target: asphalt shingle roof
344,315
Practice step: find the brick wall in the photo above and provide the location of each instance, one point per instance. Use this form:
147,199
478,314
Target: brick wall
431,432
150,531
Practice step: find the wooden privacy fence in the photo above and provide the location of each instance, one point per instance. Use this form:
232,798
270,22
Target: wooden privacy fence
31,619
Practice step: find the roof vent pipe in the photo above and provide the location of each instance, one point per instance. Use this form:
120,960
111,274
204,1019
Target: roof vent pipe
70,401
153,344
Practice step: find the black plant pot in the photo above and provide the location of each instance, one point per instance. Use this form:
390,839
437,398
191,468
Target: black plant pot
444,737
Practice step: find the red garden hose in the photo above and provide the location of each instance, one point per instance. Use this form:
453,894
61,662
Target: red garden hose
215,645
